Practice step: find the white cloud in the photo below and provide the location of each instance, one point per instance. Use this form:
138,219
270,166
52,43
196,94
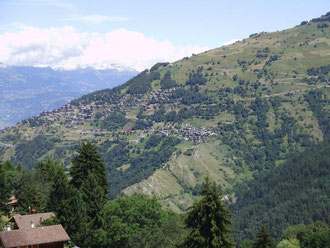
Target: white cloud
232,41
95,19
66,47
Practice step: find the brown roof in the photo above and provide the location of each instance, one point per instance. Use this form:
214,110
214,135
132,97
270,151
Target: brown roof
34,236
24,221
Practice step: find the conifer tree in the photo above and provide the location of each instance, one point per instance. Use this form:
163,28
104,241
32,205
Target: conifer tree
31,196
88,161
14,175
90,180
263,238
32,191
208,220
59,194
48,169
94,197
76,221
4,188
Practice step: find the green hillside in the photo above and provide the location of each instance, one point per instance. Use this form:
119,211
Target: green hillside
293,193
228,113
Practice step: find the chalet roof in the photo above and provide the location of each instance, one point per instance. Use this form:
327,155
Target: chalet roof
24,221
33,236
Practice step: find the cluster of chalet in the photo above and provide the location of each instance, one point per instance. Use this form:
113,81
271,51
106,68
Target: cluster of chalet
160,94
70,113
197,135
156,96
92,131
28,233
187,132
76,115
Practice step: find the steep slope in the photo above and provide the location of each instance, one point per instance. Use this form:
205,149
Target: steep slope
26,91
226,113
295,192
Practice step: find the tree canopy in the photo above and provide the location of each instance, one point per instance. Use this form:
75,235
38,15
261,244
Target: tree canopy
263,238
88,161
208,220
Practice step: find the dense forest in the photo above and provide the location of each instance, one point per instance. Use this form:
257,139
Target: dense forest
295,192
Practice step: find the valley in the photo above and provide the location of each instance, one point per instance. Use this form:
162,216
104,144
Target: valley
228,147
227,113
26,91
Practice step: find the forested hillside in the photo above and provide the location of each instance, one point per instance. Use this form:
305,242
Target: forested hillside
295,192
292,193
230,113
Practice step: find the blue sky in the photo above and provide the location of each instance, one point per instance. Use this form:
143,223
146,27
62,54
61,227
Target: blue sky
98,32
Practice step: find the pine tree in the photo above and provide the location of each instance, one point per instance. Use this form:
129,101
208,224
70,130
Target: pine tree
208,220
76,220
59,194
88,161
14,175
31,196
94,197
263,238
4,188
48,169
32,191
90,180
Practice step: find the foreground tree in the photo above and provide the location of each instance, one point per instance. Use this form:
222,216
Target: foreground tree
263,238
48,169
316,235
89,187
33,192
129,221
4,188
168,234
88,161
60,193
76,221
208,220
94,197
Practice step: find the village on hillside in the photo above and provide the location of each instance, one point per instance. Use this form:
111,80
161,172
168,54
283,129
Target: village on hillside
73,119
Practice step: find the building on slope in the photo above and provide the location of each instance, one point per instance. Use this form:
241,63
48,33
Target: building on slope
28,233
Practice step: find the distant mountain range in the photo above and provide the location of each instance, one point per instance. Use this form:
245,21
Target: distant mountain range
26,91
